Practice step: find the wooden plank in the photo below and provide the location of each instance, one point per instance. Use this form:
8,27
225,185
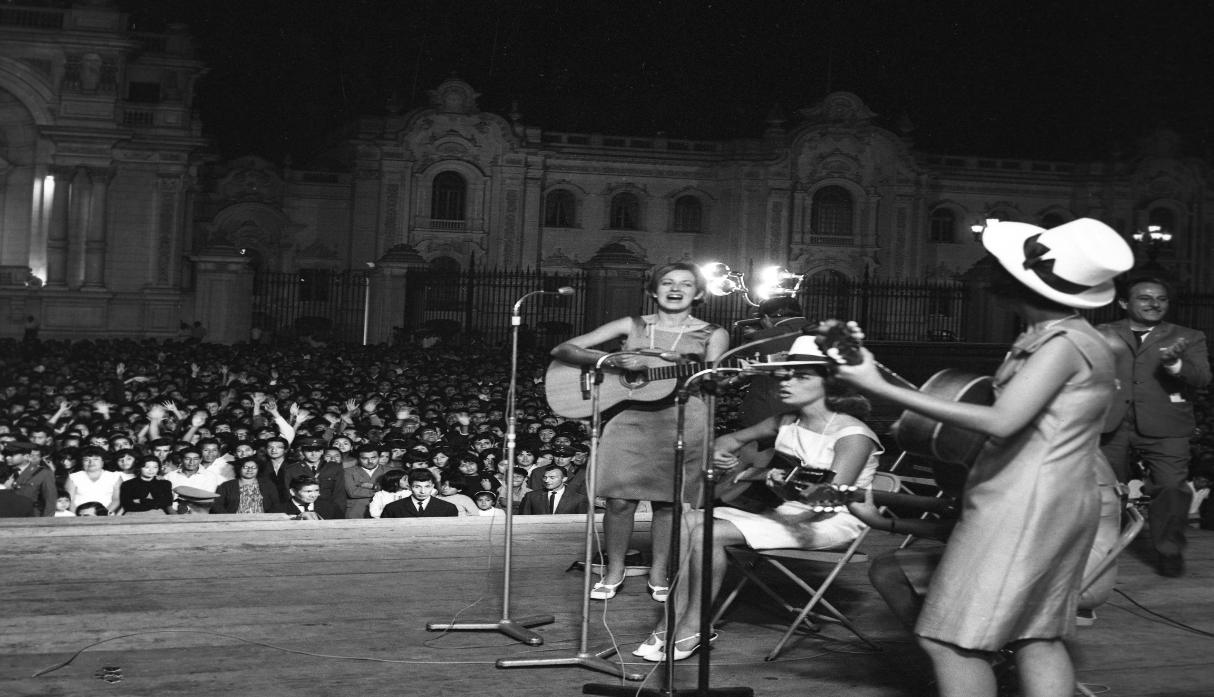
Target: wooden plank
216,607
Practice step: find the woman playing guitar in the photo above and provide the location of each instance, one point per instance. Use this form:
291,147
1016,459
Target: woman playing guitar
822,430
1010,572
637,445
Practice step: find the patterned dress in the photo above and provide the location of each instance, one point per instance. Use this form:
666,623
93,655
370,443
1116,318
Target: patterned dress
638,444
1012,566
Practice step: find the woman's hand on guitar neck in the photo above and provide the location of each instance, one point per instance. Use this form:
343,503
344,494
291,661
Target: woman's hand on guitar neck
864,375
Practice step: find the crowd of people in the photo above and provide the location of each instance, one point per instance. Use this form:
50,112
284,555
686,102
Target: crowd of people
185,427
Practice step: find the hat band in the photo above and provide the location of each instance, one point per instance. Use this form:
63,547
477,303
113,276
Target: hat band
1034,253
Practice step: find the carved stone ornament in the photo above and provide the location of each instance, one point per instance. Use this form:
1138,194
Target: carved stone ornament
454,97
251,179
839,107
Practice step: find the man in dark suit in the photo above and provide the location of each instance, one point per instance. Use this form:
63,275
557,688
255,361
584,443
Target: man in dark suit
329,475
12,504
555,497
1170,363
423,503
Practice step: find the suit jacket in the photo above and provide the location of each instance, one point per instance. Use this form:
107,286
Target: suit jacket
14,505
288,506
406,508
536,503
1162,403
37,483
360,487
332,480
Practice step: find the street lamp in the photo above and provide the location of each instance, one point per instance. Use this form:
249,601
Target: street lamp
1153,240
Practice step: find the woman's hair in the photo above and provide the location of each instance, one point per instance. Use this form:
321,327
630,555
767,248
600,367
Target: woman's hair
1005,286
390,481
842,399
651,286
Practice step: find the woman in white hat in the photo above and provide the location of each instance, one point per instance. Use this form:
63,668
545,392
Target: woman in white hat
823,432
1010,573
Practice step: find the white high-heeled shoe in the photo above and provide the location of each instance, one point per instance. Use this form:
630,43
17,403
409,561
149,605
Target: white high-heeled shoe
680,654
656,643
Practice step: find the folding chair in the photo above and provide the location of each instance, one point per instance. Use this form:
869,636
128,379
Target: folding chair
817,608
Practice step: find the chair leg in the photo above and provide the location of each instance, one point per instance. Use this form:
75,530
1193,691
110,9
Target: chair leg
816,598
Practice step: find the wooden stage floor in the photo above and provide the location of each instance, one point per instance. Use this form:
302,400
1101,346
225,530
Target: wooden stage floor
268,607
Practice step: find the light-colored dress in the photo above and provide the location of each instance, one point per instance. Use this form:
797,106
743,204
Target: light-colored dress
1012,566
100,491
793,525
638,444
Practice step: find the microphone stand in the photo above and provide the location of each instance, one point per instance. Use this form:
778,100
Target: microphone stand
592,380
517,629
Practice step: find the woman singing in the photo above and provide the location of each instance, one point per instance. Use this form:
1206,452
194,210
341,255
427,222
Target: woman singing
637,445
823,432
1012,566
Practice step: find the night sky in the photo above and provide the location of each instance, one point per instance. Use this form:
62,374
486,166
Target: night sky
1028,78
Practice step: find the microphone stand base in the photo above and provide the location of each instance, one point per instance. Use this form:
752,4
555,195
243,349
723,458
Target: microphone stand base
516,629
626,691
592,661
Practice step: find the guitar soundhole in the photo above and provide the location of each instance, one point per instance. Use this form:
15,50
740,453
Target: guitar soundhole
634,379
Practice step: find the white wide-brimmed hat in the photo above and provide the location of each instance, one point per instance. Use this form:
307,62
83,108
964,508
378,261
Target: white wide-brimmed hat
803,353
1073,264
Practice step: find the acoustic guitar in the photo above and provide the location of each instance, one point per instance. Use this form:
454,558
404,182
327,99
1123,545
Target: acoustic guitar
568,386
916,433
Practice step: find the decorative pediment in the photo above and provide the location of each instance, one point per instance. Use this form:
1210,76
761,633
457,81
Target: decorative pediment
839,107
454,97
251,179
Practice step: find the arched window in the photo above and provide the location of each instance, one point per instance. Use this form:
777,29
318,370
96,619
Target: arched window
1052,220
943,226
560,209
447,197
625,212
1165,218
688,214
833,216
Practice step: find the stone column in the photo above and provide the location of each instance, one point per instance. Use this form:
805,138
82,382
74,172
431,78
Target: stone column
56,242
78,220
166,246
390,294
95,233
614,282
223,286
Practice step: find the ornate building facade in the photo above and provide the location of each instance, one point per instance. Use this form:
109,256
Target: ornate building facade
831,192
114,222
97,148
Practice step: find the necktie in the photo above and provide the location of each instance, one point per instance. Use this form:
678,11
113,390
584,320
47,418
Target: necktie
421,507
552,502
1139,335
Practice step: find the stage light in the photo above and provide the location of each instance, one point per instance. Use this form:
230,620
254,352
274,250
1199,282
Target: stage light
777,281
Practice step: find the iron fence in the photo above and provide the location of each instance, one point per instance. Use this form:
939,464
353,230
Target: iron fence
328,305
475,305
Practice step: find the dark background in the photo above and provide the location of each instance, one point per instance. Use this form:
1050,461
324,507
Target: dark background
1061,79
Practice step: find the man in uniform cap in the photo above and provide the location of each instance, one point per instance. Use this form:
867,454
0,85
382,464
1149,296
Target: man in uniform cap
33,479
331,504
